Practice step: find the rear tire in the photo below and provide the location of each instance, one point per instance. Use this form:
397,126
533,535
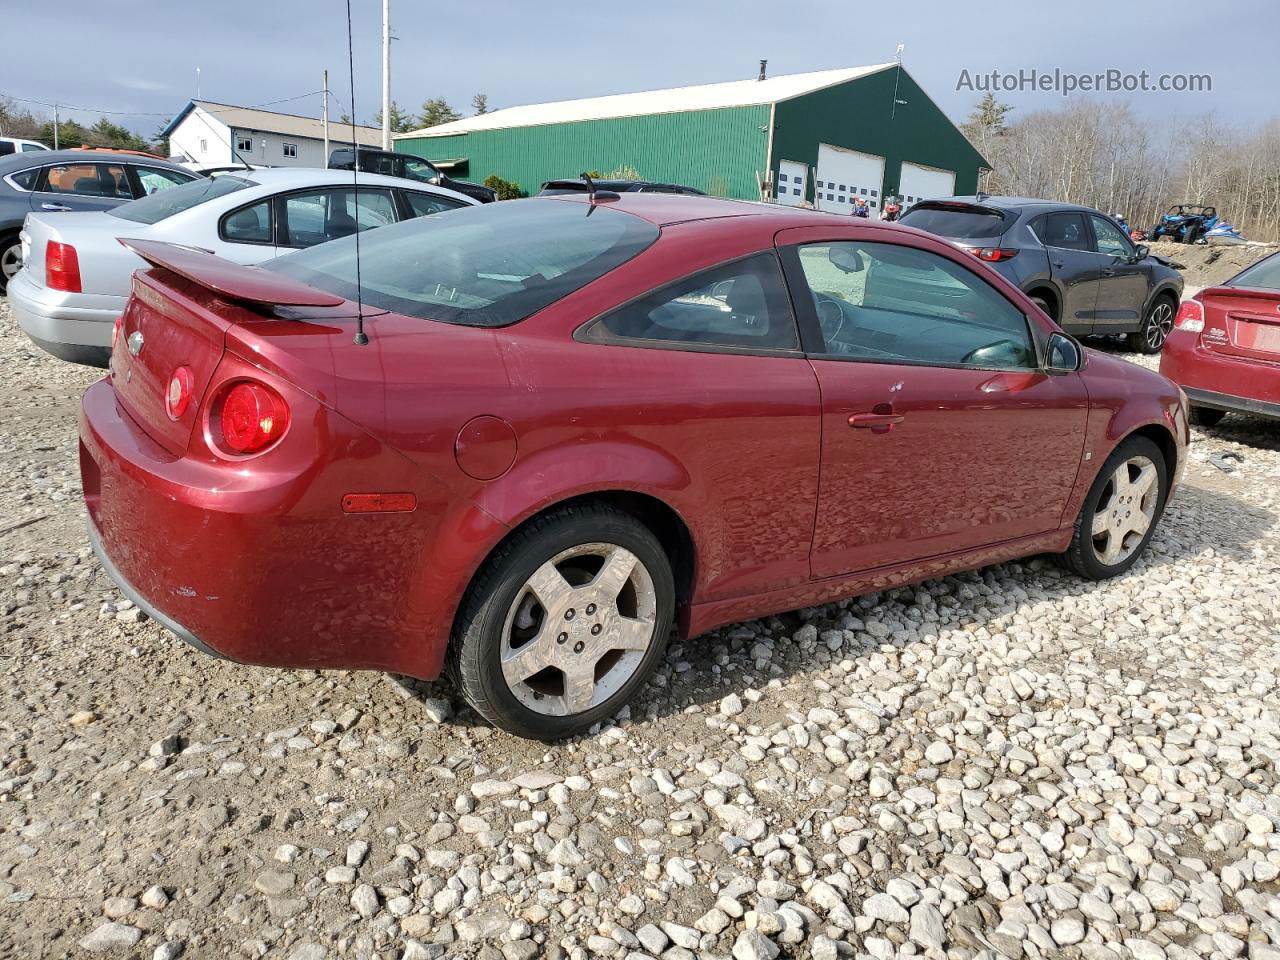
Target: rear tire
10,259
1156,325
564,623
1043,304
1121,511
1206,416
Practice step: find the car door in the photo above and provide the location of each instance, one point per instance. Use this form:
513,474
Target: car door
941,432
1124,283
709,369
1074,265
80,185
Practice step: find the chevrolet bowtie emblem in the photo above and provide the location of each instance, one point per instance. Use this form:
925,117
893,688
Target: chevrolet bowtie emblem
135,342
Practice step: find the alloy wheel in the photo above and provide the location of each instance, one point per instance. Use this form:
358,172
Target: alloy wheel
1125,511
1159,323
578,629
10,261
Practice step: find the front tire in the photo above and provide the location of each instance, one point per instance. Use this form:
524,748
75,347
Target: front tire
1156,325
564,623
1206,416
1120,513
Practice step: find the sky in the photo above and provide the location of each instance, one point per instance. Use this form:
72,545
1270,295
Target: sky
139,59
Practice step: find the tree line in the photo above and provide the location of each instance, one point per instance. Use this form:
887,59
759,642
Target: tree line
435,111
1104,155
21,122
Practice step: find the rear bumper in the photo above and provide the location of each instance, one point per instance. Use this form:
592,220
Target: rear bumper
260,565
1221,382
72,326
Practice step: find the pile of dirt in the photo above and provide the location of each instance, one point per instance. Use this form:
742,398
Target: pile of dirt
1204,265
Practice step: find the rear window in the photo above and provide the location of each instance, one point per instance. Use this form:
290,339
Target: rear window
1263,275
966,224
159,206
485,266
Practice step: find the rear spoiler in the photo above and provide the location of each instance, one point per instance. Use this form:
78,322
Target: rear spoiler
231,280
1225,291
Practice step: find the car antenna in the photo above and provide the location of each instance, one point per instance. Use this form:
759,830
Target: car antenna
361,337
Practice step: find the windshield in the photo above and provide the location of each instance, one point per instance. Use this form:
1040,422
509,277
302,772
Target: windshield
960,224
1263,275
485,266
166,203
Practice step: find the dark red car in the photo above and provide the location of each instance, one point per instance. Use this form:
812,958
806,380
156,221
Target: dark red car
578,422
1224,350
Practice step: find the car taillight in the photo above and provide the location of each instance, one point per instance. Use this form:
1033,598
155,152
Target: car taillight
993,254
115,332
61,267
1190,316
178,397
252,417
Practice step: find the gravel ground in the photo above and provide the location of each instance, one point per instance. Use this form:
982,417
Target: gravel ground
1009,763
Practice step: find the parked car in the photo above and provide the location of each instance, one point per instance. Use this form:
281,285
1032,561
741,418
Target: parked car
76,280
1224,350
52,181
391,164
12,145
577,185
1077,264
574,425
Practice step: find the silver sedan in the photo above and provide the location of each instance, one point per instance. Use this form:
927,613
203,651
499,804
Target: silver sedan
76,274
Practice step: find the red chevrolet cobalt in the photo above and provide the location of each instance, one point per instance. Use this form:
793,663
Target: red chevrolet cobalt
578,421
1224,350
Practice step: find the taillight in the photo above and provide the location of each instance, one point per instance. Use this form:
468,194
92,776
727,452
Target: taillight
115,332
61,267
252,417
993,254
178,397
1190,316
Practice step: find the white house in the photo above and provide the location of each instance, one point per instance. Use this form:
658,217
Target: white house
207,132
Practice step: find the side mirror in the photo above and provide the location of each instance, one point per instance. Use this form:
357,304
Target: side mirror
1064,353
845,259
1141,252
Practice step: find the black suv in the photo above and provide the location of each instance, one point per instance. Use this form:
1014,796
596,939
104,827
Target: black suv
408,166
577,185
1077,264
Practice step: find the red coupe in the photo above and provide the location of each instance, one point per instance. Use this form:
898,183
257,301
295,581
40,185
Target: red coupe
1224,349
577,421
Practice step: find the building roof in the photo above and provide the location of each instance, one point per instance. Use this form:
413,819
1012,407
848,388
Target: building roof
707,96
285,124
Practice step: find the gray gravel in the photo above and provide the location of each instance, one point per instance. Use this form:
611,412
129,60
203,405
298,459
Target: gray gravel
1008,763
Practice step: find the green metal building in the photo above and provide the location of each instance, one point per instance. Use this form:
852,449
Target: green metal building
824,138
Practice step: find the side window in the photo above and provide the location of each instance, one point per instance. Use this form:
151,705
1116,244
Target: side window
425,204
1066,230
251,224
1109,239
26,179
320,215
89,180
897,304
153,179
415,169
31,148
742,304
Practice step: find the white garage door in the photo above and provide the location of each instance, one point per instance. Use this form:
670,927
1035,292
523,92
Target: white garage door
844,175
925,183
791,182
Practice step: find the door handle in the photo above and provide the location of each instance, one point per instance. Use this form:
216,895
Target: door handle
55,206
869,421
1059,263
1109,272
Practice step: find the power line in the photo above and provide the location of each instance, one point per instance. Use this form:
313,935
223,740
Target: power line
128,113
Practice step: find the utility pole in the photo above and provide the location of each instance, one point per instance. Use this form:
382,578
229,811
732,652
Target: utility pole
386,75
55,126
325,115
